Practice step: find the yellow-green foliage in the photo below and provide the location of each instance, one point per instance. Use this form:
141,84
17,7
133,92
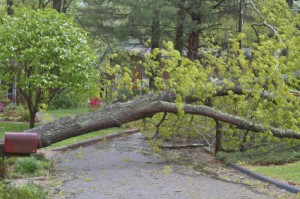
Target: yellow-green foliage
118,74
257,87
265,79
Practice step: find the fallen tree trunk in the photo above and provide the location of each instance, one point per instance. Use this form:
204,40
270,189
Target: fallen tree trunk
146,106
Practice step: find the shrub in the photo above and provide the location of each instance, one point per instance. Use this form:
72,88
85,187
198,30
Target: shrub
26,165
25,191
68,99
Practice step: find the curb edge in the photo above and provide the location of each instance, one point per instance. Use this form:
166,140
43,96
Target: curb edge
94,140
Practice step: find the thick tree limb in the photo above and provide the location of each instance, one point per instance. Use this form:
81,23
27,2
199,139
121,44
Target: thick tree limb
274,29
146,106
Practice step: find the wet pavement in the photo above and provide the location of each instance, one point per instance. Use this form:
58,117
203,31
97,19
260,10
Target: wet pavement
125,168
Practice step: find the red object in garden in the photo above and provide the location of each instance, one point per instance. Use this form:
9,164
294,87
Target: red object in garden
1,106
20,143
95,102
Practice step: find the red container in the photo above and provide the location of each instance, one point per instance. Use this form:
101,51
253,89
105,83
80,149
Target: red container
20,143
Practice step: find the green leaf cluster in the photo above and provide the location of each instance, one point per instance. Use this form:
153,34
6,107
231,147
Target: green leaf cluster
258,87
43,52
44,49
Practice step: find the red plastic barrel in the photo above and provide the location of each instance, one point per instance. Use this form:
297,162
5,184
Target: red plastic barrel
23,143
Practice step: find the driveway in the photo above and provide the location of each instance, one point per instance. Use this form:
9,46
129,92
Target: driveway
125,168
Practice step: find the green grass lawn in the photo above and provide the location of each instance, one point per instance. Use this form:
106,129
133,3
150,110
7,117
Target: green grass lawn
288,172
59,113
85,137
12,127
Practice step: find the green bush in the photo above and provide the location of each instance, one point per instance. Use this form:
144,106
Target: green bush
25,191
36,165
26,165
67,100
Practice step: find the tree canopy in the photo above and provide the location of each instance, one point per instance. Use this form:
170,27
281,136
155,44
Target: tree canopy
43,53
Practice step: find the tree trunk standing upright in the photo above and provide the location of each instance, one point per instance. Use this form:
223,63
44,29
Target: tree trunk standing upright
218,144
64,7
241,20
57,4
193,43
32,115
9,5
33,105
290,3
155,30
155,38
179,44
193,40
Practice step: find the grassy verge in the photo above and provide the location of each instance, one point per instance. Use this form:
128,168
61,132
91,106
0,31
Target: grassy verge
12,127
84,137
23,167
289,172
279,161
24,191
59,113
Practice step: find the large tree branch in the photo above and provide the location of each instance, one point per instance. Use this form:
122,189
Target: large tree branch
274,29
239,122
146,106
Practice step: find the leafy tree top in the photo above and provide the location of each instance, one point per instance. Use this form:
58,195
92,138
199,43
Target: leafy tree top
43,53
47,47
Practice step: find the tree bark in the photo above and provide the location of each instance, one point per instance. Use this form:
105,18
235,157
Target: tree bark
156,30
193,44
218,144
32,119
290,3
179,43
9,5
57,4
241,20
146,106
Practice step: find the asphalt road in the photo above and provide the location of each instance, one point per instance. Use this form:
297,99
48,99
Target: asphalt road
125,168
